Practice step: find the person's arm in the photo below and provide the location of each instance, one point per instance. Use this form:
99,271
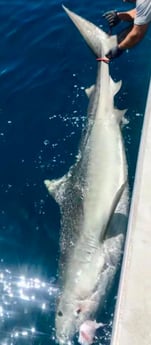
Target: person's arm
127,16
113,17
134,36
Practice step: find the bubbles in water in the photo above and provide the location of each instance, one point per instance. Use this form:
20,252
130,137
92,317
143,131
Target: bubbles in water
46,142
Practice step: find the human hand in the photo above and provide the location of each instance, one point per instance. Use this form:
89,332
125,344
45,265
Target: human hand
114,53
112,18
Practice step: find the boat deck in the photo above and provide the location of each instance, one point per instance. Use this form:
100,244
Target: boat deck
132,321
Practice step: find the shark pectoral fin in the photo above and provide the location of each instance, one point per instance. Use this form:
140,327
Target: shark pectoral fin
89,90
117,198
56,188
113,206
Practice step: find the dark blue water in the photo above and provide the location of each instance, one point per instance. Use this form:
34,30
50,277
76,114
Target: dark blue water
44,67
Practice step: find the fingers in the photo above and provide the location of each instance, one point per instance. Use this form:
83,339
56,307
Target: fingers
112,18
114,53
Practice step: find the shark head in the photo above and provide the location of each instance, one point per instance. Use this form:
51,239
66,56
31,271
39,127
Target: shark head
71,314
79,299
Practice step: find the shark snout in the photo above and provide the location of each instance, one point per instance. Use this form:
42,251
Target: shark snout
63,339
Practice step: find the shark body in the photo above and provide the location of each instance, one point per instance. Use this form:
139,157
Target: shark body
93,199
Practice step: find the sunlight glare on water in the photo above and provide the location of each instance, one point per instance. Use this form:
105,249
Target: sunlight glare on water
20,298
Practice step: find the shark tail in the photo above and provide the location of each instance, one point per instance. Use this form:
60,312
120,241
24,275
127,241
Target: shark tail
99,41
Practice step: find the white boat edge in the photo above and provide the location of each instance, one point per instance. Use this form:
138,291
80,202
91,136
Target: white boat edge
132,317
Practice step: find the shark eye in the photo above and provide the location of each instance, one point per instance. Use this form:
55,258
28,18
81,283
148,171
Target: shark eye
78,311
60,313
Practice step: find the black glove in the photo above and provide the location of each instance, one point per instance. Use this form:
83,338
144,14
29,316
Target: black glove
114,53
112,18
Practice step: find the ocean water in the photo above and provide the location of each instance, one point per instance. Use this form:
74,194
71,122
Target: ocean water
44,68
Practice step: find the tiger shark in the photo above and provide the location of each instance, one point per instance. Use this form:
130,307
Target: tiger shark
93,200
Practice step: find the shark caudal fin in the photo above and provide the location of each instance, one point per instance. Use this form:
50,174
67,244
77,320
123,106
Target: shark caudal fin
96,38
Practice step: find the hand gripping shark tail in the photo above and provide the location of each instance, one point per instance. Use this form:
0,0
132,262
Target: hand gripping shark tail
96,38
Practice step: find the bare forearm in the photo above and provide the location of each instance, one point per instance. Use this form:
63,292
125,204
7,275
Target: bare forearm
134,37
127,16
